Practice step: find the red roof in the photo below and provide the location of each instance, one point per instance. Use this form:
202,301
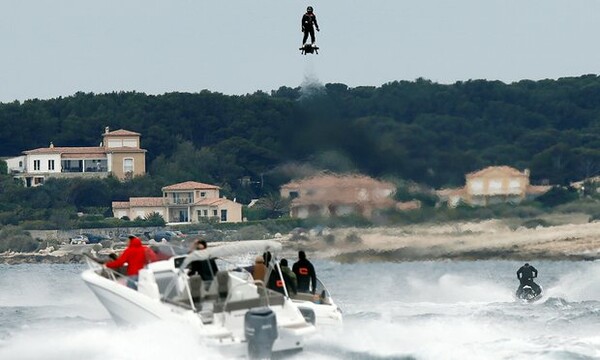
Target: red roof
342,189
339,181
121,132
146,201
68,150
120,204
538,189
211,202
124,149
190,185
502,169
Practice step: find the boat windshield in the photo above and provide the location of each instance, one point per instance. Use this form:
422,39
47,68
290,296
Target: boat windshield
321,295
165,251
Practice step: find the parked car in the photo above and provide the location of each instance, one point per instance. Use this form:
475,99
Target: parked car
167,235
95,238
79,240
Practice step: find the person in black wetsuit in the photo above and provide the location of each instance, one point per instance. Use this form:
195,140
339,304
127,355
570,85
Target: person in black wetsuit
305,274
309,24
526,274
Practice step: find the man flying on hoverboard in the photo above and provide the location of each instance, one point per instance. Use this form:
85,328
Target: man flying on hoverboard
309,24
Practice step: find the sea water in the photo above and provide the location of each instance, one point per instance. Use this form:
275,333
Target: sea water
410,310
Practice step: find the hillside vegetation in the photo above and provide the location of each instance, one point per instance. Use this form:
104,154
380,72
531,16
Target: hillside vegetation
249,145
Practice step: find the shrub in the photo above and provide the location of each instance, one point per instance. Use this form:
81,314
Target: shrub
329,239
154,219
557,195
353,238
252,232
16,239
533,223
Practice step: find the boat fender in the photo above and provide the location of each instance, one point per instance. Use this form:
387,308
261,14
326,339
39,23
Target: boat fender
260,330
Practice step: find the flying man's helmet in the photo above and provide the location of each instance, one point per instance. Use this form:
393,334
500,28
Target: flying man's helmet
309,9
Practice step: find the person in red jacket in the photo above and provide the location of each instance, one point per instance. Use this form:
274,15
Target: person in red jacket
136,256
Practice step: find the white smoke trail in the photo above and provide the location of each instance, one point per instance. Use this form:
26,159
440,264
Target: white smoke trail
311,86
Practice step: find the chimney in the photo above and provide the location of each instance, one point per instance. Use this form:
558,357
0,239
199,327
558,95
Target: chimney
526,172
51,145
106,130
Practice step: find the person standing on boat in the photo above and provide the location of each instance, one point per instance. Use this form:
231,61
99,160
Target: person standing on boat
259,270
205,268
290,278
136,256
305,274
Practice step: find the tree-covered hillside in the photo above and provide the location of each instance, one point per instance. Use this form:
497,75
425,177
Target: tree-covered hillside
422,131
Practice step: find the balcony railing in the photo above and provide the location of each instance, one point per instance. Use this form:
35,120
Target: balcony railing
183,201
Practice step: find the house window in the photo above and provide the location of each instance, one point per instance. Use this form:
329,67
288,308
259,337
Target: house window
495,184
38,180
36,164
20,164
205,212
215,213
224,215
50,164
202,194
293,194
127,165
476,186
514,184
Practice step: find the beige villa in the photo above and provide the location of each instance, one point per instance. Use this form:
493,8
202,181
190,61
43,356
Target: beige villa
338,195
119,154
184,203
492,185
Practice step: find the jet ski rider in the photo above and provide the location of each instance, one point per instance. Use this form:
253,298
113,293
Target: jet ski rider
526,274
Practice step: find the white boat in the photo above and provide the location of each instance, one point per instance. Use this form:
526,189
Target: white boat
228,309
326,312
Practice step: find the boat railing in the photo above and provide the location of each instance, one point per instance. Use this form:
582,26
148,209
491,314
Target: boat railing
179,291
98,267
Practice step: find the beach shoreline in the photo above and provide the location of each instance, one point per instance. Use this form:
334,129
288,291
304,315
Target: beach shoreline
468,241
461,241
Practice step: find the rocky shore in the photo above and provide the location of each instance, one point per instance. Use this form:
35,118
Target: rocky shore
37,258
493,239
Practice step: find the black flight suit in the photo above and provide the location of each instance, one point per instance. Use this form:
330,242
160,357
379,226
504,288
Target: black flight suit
308,20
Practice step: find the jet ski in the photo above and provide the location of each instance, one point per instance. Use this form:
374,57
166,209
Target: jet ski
528,294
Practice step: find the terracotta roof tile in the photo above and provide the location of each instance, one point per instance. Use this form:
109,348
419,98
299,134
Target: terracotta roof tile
451,192
339,181
538,189
212,202
503,169
124,149
67,150
190,185
120,204
146,201
121,132
342,189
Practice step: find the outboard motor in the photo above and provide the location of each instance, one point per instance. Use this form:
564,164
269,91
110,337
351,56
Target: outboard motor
308,313
260,329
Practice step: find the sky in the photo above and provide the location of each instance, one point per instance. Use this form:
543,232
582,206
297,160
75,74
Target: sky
51,48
